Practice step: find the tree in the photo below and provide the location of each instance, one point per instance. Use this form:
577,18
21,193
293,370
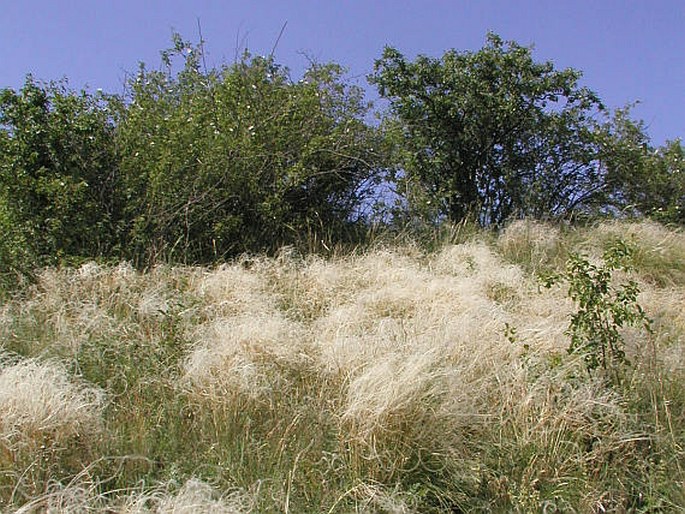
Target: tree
491,134
664,198
240,158
642,179
58,170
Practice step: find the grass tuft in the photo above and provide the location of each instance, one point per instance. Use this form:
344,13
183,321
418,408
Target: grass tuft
40,402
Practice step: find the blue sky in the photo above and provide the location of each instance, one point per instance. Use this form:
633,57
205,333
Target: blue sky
629,50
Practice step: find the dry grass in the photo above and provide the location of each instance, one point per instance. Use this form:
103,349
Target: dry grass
39,401
537,247
194,496
391,381
242,355
660,252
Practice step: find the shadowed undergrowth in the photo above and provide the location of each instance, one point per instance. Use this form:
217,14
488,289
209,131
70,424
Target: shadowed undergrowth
388,381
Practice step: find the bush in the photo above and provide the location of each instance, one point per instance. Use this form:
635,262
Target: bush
58,173
603,309
16,259
240,158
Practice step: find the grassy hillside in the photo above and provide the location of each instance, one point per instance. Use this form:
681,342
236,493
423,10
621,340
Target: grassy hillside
393,380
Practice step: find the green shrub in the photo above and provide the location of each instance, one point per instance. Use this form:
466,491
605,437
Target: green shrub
603,309
58,169
223,161
16,259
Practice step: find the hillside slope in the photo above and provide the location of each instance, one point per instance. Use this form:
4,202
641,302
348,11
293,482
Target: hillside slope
394,380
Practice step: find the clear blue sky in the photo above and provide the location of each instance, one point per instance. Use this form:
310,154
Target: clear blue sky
628,49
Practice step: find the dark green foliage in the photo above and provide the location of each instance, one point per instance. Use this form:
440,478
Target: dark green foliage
491,134
192,165
195,165
16,259
603,309
644,180
241,158
663,196
58,172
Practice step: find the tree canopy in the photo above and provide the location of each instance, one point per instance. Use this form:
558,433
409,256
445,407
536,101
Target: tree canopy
241,158
196,165
491,134
59,169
